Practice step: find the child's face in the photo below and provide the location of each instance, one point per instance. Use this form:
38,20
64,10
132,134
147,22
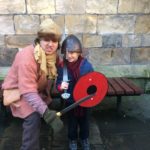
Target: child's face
72,56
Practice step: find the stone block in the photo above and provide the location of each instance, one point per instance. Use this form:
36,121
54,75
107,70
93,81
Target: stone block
101,7
2,43
134,6
6,25
26,24
41,7
90,40
12,7
19,41
146,40
7,56
109,56
70,7
112,41
131,40
119,24
140,56
142,24
80,24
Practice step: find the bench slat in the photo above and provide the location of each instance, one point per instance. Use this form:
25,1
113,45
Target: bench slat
110,90
124,85
136,89
117,88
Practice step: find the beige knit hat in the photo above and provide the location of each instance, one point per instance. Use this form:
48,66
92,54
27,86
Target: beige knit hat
48,26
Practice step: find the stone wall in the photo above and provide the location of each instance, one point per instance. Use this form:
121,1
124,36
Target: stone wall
114,33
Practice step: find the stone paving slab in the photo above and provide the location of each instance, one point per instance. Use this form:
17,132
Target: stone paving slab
123,132
11,138
60,141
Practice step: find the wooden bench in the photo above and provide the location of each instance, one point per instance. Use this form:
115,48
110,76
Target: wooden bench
122,87
118,87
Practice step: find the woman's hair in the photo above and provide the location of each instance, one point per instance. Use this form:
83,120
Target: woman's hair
38,39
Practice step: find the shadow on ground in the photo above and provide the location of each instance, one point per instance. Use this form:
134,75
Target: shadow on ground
11,135
121,132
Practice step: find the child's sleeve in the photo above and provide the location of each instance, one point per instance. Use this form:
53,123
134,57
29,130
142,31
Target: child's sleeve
86,67
90,67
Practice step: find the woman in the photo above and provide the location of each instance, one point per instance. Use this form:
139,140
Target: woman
30,72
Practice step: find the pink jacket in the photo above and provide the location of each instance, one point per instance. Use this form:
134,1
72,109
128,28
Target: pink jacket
23,75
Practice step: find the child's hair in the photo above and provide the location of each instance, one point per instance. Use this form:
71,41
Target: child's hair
71,44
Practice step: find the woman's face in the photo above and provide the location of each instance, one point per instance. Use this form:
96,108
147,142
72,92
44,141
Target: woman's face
49,47
72,56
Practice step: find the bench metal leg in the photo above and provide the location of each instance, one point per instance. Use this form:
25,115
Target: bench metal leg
119,99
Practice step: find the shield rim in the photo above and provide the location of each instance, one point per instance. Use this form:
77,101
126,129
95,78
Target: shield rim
86,103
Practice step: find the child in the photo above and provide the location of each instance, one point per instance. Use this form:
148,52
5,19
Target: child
77,66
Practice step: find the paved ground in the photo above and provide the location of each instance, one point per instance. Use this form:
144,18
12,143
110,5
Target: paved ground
122,132
11,129
109,131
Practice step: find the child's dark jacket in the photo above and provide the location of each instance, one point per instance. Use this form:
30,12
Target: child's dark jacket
84,68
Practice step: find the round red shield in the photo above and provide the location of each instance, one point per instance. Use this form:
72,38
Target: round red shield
93,82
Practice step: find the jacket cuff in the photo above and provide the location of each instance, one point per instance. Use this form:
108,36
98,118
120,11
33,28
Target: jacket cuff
59,88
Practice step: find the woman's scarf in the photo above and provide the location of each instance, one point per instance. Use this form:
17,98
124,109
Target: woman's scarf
47,62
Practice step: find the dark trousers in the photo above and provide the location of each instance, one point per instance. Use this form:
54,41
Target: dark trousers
31,132
76,122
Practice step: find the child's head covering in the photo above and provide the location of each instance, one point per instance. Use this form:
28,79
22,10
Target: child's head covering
71,44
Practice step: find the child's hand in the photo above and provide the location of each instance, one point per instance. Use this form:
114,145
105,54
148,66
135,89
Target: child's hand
64,85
